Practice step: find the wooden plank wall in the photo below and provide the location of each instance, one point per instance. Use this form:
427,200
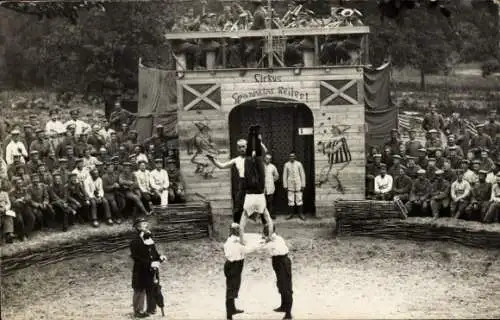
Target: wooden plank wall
331,120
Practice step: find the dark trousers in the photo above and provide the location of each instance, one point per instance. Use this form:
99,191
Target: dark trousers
25,219
269,204
239,201
282,267
232,271
113,205
63,213
135,198
148,197
95,204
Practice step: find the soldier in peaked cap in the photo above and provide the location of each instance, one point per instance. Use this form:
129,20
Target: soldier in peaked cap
481,140
440,194
420,195
413,145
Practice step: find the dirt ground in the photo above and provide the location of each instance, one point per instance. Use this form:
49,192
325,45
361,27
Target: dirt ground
333,279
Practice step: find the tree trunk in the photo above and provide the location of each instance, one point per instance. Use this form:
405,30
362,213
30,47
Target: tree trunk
422,79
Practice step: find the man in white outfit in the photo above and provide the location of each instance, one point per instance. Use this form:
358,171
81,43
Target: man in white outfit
159,182
294,182
15,147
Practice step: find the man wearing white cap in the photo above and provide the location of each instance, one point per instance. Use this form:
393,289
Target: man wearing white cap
235,252
493,213
15,147
80,126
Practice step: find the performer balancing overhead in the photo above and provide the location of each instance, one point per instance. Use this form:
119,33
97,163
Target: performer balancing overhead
254,183
239,163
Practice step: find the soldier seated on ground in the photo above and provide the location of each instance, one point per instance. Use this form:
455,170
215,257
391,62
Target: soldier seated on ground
7,216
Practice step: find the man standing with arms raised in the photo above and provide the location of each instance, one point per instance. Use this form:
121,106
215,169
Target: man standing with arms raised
239,163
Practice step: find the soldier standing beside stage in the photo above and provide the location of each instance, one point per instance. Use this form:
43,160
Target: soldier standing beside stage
282,267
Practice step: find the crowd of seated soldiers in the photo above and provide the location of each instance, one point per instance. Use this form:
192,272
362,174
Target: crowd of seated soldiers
246,52
459,178
58,174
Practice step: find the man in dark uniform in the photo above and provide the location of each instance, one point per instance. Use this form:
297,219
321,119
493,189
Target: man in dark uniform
394,141
146,258
120,116
402,186
413,144
34,162
420,194
21,204
77,196
449,173
451,145
452,153
59,199
111,188
129,188
411,167
492,127
433,120
440,194
480,198
254,45
282,266
159,140
42,144
373,170
396,165
40,202
481,141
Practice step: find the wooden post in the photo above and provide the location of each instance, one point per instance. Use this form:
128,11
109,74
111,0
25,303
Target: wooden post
181,64
308,56
211,57
316,51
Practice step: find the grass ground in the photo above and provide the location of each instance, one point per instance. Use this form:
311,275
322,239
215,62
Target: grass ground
333,278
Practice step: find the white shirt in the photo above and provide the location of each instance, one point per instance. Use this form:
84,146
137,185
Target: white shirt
54,128
80,126
491,178
82,175
471,177
277,246
91,186
271,176
235,251
294,177
239,162
13,150
495,193
143,180
460,189
105,134
159,179
90,162
383,185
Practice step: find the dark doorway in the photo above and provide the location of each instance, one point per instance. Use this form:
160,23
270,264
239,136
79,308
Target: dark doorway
280,121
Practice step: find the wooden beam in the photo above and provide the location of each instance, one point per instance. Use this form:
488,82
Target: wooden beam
264,33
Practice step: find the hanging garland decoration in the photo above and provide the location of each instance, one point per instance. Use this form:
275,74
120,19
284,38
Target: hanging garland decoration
51,10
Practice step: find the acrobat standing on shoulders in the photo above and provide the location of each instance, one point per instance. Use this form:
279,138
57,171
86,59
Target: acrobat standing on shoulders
254,178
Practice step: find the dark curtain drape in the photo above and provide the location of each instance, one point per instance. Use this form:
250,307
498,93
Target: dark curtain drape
381,115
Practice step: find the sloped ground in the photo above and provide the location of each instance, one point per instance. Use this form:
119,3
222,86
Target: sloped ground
333,278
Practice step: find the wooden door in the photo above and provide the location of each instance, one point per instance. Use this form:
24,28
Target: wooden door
280,129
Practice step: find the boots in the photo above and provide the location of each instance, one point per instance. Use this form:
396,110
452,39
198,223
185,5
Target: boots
292,213
301,215
281,308
231,309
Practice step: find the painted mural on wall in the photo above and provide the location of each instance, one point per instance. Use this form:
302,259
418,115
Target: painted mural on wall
334,146
201,145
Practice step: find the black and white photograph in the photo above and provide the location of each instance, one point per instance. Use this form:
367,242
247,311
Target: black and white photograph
249,159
